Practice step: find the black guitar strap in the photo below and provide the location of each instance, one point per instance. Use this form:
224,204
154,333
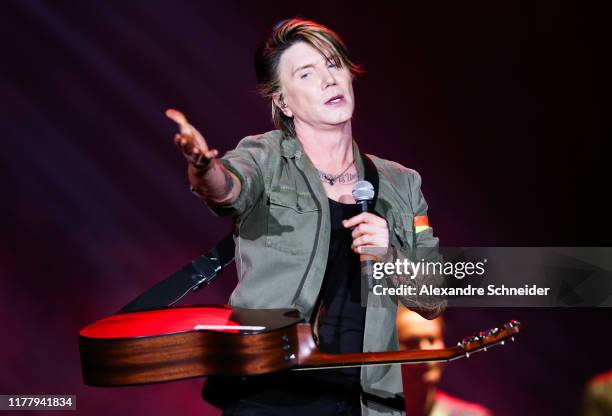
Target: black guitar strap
371,175
199,273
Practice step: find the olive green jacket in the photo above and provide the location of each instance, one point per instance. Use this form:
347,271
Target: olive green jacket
282,240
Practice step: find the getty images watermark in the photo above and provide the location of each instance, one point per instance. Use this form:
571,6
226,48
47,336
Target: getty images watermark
458,270
498,276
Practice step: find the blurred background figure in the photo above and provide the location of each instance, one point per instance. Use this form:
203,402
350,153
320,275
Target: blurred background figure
597,398
421,393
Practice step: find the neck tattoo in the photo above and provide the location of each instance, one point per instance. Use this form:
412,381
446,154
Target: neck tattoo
343,177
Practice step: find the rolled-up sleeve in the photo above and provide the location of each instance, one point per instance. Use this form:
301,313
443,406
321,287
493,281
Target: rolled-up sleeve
246,162
424,237
425,248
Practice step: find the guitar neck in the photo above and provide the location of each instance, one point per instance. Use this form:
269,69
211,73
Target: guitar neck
311,358
319,360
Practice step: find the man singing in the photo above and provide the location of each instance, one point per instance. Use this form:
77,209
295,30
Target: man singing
299,232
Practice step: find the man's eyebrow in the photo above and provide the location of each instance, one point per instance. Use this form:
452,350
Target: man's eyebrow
302,67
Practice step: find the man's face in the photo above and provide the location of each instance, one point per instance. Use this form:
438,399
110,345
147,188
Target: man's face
417,333
316,92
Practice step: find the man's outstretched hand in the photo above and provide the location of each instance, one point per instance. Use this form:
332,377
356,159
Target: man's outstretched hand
208,177
190,141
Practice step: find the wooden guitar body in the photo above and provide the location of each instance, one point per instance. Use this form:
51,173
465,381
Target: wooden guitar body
164,345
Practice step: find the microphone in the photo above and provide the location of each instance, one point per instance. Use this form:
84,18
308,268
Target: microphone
363,193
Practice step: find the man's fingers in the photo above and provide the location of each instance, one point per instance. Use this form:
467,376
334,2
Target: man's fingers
191,151
369,240
180,140
189,140
354,221
211,153
176,116
364,228
185,144
364,239
369,232
199,139
364,217
186,129
180,119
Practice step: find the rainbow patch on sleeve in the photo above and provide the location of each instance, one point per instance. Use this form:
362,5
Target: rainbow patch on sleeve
421,223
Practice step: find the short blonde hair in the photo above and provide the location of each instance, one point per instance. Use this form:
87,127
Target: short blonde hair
283,35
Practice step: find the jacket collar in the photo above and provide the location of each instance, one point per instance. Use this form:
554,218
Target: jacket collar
291,148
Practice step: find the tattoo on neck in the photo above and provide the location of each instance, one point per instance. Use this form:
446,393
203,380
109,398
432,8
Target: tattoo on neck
344,179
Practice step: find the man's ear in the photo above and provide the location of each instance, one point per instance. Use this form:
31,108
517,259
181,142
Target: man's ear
280,103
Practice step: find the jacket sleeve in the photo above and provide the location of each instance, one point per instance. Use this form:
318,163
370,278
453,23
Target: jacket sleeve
245,161
424,248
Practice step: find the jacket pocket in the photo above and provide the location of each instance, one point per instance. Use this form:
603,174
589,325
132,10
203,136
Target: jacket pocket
293,221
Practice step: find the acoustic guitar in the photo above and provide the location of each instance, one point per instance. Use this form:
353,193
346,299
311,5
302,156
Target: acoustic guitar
194,341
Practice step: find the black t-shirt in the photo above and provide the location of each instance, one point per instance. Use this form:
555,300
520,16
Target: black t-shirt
342,316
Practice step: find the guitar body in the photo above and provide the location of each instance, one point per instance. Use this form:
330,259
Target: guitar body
183,342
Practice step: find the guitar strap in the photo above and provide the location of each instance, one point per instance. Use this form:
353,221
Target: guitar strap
198,274
371,175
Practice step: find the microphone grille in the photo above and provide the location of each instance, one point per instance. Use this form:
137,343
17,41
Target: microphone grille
363,191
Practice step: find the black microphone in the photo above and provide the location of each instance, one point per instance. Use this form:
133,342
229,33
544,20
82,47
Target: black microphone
363,193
